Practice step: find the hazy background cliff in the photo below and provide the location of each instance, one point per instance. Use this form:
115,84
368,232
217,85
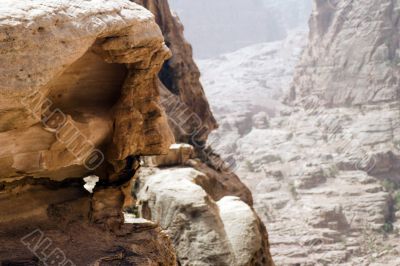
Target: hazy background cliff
215,27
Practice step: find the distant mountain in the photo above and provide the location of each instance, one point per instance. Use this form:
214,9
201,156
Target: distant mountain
290,13
216,27
244,85
324,170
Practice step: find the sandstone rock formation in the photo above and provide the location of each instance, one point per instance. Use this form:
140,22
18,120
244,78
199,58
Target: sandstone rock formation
80,102
207,228
79,96
60,222
184,99
61,93
191,121
191,218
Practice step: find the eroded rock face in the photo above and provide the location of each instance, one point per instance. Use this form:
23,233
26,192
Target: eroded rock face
204,232
56,86
184,209
60,222
217,183
242,227
207,212
324,172
363,68
79,96
184,100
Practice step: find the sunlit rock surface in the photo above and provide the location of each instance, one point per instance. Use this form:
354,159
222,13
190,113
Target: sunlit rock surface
83,105
79,95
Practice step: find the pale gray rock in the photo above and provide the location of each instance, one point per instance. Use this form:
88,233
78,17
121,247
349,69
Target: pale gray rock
335,147
204,232
353,54
172,199
241,227
260,120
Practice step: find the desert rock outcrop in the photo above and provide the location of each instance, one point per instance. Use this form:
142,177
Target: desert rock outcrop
79,96
180,76
206,227
83,100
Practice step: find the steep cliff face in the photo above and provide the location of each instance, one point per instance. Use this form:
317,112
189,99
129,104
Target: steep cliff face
325,171
180,76
345,129
353,57
185,217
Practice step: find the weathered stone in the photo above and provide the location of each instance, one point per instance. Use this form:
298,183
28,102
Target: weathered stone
193,120
81,77
204,232
80,97
363,68
242,229
67,107
80,229
178,154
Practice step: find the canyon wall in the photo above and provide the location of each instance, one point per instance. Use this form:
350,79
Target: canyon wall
180,76
85,104
185,218
353,54
324,169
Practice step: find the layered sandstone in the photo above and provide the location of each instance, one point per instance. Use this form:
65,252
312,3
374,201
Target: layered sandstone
56,89
60,222
79,96
80,102
180,76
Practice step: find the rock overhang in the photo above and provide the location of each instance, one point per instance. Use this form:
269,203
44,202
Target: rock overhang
49,46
